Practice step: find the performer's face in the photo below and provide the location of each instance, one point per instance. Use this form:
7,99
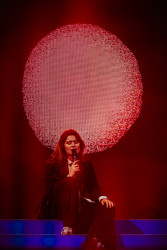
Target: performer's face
70,144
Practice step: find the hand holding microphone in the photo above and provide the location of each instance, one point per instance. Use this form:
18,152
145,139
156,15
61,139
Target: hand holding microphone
75,168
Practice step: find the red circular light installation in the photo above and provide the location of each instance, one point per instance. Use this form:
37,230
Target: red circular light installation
82,77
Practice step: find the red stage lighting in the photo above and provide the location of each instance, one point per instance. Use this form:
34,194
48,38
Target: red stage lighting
82,77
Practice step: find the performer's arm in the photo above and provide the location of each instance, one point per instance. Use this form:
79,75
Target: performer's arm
53,175
94,189
92,183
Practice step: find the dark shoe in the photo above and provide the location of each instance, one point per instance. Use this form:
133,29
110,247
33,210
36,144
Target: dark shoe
92,244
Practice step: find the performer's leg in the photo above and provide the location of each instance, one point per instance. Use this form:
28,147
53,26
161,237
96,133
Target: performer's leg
84,218
103,226
64,200
97,221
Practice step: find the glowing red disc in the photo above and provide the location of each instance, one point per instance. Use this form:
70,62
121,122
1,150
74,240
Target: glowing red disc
82,77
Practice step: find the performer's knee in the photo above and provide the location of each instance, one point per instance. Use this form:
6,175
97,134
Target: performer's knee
107,211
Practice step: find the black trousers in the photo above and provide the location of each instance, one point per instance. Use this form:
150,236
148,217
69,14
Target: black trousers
84,217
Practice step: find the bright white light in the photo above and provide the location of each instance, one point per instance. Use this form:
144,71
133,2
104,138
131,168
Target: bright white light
82,77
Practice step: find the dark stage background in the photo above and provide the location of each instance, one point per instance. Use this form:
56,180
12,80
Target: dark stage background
133,172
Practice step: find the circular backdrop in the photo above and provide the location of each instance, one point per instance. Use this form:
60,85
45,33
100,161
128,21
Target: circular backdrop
84,78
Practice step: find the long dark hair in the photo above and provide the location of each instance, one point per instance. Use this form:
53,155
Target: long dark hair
59,154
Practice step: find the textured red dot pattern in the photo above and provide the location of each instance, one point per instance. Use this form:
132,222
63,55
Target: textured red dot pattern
82,77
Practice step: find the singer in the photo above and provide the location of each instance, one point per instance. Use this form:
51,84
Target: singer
73,195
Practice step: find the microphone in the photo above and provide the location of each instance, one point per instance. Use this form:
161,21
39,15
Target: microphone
74,154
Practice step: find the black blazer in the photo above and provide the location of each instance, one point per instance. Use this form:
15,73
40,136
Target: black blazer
87,181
